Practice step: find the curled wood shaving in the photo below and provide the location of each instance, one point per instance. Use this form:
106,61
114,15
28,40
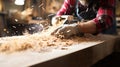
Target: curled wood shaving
38,42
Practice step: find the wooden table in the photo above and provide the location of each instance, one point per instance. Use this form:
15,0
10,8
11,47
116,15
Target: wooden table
82,55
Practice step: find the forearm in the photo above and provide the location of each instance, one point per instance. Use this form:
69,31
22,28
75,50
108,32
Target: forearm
87,27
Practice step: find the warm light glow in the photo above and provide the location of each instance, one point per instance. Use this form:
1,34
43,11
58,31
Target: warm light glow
19,2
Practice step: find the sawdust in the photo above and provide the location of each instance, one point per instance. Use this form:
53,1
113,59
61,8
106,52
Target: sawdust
43,41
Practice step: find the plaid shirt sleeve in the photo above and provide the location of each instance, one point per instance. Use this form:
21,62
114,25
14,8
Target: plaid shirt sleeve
67,8
104,18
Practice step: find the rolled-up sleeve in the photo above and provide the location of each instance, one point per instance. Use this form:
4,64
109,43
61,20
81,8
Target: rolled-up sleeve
105,16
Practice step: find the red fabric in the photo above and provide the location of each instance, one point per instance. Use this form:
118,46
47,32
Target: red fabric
68,8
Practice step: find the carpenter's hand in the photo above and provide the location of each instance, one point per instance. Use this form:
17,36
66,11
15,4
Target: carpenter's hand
67,30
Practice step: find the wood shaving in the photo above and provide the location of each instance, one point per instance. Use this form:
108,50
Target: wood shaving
43,41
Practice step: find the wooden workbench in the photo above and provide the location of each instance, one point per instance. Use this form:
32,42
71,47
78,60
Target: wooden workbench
81,55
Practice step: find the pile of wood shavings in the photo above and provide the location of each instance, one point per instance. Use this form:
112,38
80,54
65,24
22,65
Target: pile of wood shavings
37,42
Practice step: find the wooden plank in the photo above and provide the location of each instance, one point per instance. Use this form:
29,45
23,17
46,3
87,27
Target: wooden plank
81,55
